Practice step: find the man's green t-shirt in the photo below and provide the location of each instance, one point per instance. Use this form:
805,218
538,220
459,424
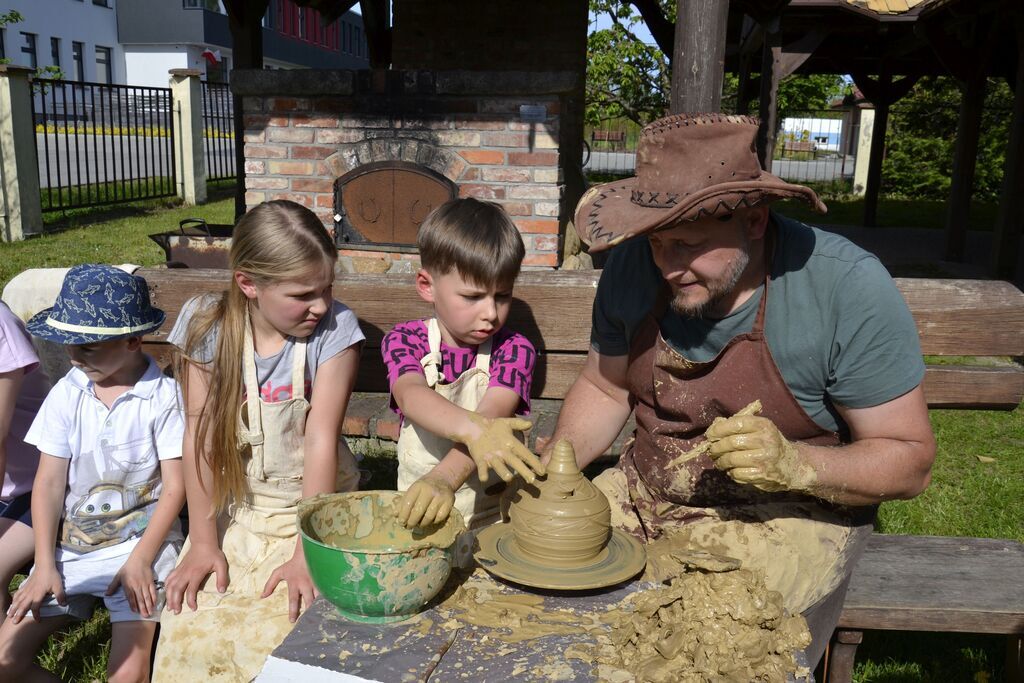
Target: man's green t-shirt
837,327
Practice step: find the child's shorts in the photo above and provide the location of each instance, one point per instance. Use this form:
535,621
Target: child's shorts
18,508
86,582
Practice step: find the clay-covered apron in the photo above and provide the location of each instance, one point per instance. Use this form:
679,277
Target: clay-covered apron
230,635
420,450
806,547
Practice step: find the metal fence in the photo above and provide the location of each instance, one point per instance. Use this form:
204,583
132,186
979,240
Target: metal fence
610,147
816,146
101,144
219,131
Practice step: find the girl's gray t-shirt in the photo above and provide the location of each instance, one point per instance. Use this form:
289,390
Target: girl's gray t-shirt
336,331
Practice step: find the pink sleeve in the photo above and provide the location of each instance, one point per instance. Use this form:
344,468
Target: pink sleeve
512,363
403,347
16,350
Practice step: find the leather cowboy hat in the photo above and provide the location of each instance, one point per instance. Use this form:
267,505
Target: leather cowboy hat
688,166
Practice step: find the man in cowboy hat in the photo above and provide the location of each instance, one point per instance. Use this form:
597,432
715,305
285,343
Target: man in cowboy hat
708,303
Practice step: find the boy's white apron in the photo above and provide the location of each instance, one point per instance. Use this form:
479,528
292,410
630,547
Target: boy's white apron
420,450
230,635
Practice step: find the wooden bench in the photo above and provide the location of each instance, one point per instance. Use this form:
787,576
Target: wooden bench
613,137
903,582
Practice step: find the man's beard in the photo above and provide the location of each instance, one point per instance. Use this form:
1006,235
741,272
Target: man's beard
717,289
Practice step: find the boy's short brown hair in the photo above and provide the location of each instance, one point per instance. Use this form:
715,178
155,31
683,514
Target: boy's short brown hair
476,238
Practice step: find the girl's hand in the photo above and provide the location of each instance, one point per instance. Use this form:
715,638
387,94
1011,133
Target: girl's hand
44,581
428,501
139,583
301,591
189,576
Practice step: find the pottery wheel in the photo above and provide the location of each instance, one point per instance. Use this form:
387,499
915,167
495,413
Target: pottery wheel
622,559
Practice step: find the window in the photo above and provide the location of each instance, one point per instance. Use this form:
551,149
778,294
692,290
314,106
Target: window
101,3
103,73
29,48
55,52
3,44
302,22
77,49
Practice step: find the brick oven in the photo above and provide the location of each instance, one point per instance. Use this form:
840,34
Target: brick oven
372,151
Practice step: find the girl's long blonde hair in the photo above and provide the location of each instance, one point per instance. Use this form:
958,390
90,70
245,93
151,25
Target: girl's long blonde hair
275,241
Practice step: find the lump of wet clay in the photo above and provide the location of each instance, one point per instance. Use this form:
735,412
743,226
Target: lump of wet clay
717,626
562,519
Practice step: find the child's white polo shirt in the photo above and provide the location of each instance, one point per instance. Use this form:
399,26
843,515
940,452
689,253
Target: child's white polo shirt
115,454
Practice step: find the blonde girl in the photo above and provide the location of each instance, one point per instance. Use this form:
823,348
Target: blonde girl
267,369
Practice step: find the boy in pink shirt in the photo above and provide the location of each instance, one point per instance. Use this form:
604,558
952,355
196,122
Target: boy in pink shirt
459,378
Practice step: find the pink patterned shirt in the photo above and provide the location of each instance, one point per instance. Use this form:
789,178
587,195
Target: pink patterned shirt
512,359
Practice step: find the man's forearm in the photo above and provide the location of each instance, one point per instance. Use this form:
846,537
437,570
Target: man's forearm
590,420
869,471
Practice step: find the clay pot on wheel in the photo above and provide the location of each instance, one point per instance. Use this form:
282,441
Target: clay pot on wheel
562,520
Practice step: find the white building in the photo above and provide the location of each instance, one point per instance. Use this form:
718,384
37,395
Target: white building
78,36
136,42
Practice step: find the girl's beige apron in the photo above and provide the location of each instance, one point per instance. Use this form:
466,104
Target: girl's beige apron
806,547
230,635
420,450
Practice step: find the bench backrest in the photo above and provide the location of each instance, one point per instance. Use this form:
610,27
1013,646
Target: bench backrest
978,318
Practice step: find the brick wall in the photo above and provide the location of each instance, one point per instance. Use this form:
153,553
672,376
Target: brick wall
467,126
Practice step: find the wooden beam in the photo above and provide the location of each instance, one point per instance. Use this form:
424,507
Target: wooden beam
1010,221
771,68
245,20
376,22
965,157
662,30
699,62
799,51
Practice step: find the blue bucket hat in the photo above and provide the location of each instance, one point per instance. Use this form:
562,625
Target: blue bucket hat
97,303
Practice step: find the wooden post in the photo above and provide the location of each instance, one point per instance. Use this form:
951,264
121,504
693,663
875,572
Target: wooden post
874,181
245,19
698,66
965,156
743,86
771,68
1006,238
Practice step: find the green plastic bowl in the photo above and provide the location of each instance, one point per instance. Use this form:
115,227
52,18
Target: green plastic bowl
365,563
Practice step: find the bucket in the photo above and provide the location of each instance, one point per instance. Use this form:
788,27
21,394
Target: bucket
365,563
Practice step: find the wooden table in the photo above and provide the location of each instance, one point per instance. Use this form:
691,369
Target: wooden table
324,646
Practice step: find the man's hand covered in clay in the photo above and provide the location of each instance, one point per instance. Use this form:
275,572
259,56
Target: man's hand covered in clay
428,501
495,446
752,450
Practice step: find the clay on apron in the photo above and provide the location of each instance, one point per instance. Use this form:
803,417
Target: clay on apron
230,635
420,450
805,546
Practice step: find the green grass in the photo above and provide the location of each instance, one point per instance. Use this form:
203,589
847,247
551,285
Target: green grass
967,497
55,199
116,234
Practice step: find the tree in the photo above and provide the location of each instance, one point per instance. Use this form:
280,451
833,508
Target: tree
629,78
921,137
625,76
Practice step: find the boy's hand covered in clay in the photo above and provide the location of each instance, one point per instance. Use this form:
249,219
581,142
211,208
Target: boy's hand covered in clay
496,447
752,450
428,501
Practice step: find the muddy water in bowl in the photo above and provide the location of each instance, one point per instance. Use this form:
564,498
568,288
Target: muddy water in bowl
365,563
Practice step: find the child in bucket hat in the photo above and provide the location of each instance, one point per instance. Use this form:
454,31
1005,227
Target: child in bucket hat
109,485
97,303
